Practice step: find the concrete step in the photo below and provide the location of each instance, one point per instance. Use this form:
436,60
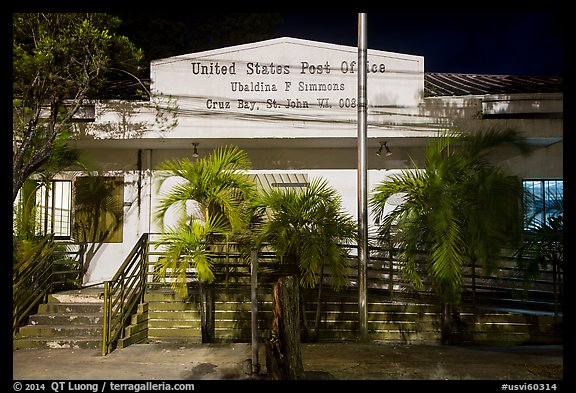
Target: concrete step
173,319
85,295
66,318
70,308
57,343
174,339
67,331
70,319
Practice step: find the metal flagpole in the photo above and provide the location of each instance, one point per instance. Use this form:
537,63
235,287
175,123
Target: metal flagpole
362,178
254,298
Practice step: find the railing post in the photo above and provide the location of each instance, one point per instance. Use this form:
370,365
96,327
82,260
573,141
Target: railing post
122,302
82,252
254,298
50,269
106,319
391,272
144,267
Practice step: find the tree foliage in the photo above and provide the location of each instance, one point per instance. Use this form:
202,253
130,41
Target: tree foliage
217,183
59,61
458,208
219,187
188,247
309,228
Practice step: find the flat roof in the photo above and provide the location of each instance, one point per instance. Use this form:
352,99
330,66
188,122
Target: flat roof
453,84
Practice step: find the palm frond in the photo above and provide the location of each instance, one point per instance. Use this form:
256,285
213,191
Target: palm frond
446,258
217,182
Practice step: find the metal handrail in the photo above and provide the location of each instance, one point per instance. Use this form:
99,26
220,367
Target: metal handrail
33,279
31,282
68,267
123,293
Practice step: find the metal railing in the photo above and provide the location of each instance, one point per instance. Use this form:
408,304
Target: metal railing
231,268
68,265
503,285
123,293
50,266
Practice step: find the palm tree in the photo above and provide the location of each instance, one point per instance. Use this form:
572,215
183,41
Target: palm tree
187,248
222,191
459,208
309,229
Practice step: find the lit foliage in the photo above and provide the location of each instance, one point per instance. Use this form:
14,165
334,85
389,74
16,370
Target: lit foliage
221,188
308,227
458,207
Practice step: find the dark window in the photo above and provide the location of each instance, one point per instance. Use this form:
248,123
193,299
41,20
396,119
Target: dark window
543,199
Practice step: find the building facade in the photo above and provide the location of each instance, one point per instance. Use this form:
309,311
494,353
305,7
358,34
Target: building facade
291,105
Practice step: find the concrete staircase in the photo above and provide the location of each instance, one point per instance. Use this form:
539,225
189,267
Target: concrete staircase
70,319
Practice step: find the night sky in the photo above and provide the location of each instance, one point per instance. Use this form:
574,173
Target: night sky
526,44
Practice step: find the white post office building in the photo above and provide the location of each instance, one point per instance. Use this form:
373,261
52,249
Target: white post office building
291,104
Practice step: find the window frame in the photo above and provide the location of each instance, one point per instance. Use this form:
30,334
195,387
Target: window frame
49,200
541,212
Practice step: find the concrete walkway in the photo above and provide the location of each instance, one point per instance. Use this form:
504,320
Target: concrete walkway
341,361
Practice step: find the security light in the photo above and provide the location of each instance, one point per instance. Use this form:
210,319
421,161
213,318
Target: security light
384,145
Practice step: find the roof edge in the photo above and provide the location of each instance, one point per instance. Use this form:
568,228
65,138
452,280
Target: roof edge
280,40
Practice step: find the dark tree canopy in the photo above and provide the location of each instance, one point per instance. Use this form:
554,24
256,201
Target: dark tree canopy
59,61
